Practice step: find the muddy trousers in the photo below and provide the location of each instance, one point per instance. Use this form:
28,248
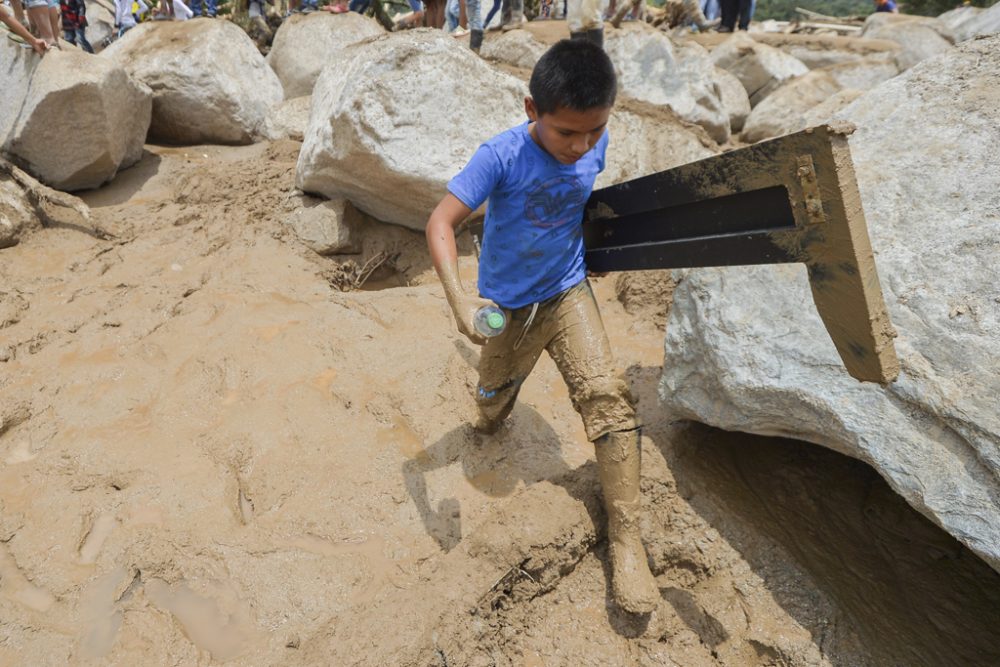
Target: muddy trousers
569,327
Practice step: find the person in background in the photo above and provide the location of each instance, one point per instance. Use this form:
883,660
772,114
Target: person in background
74,23
17,28
181,11
124,18
165,11
733,10
210,8
43,15
886,6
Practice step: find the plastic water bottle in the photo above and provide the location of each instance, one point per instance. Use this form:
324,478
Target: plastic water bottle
490,321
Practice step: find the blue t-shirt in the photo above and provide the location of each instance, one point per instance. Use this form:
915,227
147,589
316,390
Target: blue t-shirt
533,237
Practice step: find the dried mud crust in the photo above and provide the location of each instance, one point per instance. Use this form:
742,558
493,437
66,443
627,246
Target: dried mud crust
210,453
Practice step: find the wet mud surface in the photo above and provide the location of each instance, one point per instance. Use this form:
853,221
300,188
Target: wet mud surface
210,452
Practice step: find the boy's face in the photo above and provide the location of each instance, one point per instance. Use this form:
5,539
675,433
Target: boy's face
566,134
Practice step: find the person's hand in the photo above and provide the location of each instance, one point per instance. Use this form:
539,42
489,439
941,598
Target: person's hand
39,46
464,307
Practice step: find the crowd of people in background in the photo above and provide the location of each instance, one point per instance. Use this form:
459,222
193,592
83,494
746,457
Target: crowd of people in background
37,23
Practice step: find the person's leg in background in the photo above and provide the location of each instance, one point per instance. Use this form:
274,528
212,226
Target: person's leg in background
746,13
81,40
474,18
55,21
516,17
586,20
38,17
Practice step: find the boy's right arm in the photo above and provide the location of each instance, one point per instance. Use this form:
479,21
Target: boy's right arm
441,243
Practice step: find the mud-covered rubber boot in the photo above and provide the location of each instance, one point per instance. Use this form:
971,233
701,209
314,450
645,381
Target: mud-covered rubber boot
476,40
596,36
632,584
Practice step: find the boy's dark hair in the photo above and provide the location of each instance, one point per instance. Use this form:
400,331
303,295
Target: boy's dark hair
573,74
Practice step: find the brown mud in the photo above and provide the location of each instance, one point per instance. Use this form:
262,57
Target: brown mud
210,452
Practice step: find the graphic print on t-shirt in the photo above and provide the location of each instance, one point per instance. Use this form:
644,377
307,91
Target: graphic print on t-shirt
545,202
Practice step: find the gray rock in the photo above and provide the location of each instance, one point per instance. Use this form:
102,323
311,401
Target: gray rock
210,84
100,23
289,119
71,119
825,111
327,227
645,139
387,130
759,67
654,69
306,43
784,110
879,21
862,74
517,48
16,213
745,349
734,98
919,37
969,22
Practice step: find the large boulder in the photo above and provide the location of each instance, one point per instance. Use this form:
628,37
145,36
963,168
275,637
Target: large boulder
387,130
209,82
734,98
919,37
862,74
70,119
881,20
327,227
826,50
968,22
826,110
517,48
17,215
646,138
100,23
290,118
759,67
745,349
654,69
784,110
306,43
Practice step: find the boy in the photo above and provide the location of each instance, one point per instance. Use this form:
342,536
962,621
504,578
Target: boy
537,177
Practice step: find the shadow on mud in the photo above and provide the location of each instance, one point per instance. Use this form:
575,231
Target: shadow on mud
492,464
915,594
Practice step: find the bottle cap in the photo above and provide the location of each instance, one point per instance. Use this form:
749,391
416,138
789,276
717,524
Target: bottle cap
495,320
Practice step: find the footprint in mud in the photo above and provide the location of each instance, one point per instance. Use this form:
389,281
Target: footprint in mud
93,541
220,623
15,586
98,609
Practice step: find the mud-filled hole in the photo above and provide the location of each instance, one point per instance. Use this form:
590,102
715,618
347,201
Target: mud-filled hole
916,595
